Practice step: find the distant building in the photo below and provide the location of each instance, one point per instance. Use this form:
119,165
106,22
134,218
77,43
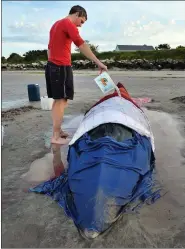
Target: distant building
133,48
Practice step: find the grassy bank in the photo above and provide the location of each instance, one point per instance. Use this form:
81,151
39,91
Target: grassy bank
175,54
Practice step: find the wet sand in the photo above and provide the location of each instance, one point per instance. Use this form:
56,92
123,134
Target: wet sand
31,220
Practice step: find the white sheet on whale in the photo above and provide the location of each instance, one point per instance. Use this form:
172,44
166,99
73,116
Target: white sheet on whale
115,110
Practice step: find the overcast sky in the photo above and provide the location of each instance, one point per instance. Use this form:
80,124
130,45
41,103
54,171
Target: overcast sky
26,24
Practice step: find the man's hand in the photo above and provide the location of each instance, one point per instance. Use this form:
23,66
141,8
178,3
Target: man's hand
102,67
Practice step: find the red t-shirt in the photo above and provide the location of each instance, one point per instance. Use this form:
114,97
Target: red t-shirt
62,34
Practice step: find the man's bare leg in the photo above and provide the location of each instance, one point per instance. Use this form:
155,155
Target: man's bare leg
57,116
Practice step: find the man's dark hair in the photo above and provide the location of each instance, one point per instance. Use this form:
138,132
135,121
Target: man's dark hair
78,9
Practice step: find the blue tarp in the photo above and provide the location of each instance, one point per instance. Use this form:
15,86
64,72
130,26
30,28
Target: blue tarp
104,178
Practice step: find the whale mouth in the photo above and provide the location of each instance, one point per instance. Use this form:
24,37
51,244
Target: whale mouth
89,233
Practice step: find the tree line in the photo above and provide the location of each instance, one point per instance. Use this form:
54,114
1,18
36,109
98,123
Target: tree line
41,55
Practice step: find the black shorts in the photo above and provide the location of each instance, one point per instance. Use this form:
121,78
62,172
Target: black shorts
59,81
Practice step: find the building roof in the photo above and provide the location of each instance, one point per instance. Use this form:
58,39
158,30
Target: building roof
135,47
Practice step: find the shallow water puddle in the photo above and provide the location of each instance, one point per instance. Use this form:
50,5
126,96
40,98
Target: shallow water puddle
6,105
50,166
14,103
55,162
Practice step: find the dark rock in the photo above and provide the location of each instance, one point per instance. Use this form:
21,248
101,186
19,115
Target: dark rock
141,64
180,100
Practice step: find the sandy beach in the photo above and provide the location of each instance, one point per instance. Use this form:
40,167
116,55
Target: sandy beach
31,220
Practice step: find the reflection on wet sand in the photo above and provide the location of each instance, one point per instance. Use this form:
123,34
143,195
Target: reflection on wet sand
54,163
58,165
50,166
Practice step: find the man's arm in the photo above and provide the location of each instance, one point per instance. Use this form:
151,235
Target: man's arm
85,49
48,53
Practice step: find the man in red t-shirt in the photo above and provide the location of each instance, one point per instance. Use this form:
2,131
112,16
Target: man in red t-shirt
58,73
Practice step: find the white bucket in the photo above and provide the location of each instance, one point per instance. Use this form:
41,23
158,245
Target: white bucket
46,103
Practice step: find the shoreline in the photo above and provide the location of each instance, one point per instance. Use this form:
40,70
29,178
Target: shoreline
130,73
19,98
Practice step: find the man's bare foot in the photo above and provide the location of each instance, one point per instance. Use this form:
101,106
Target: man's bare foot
60,140
64,134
